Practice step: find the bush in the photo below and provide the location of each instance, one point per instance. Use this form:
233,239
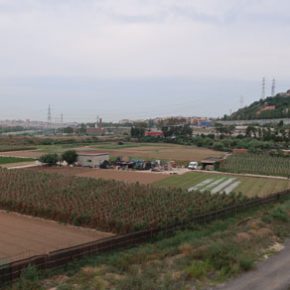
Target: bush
49,159
246,263
29,280
70,156
280,214
198,269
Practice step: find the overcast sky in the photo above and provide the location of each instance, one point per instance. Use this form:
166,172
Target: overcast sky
139,58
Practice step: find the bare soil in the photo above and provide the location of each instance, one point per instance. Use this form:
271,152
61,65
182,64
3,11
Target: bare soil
24,236
120,175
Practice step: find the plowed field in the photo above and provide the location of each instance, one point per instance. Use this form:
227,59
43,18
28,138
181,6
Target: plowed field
23,236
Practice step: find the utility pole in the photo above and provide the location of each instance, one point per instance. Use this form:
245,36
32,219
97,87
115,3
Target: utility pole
263,88
49,114
242,101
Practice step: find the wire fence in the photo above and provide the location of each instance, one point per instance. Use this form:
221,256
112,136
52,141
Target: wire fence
12,270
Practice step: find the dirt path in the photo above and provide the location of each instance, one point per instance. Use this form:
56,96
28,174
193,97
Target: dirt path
273,274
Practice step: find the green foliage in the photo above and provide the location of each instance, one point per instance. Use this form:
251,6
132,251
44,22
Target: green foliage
198,269
137,132
255,110
49,159
177,131
68,130
70,156
280,214
246,263
6,160
148,279
29,280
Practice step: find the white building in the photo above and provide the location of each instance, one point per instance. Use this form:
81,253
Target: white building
92,159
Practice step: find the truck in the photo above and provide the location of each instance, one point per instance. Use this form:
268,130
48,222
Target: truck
193,165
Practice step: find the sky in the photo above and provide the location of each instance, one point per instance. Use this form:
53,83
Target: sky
139,58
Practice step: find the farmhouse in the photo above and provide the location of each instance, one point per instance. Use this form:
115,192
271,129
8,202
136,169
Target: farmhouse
211,163
91,158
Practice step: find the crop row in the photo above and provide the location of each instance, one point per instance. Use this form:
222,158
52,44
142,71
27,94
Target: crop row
257,164
102,204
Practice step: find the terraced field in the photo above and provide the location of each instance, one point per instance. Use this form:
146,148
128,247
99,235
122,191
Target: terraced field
215,183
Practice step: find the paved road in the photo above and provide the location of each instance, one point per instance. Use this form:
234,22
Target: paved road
273,274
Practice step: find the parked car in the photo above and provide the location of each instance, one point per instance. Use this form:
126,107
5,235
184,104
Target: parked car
193,165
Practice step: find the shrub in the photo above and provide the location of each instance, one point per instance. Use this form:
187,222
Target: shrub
198,269
280,214
49,159
70,156
246,263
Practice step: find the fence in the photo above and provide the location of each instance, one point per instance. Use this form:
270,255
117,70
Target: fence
11,271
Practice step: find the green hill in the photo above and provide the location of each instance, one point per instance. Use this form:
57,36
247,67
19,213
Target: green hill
269,108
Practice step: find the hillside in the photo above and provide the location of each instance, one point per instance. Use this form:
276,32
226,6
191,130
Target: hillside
269,108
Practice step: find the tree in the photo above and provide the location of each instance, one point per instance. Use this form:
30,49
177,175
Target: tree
68,130
49,159
70,156
137,132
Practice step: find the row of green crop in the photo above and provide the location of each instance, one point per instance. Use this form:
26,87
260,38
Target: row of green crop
101,204
6,160
263,164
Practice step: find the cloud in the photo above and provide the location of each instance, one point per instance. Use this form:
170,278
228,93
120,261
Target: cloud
139,39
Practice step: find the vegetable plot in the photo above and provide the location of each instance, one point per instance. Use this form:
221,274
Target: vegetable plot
103,204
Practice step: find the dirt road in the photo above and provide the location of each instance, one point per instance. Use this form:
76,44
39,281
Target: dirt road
273,274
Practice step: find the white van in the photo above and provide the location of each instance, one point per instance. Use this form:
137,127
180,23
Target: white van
192,165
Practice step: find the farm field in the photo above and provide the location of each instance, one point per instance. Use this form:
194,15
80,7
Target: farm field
107,205
31,154
5,148
158,151
27,236
249,186
257,164
127,151
108,174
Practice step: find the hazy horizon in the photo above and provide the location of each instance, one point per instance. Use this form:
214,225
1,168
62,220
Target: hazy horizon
139,59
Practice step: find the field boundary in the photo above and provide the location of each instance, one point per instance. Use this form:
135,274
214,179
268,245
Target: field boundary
9,272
